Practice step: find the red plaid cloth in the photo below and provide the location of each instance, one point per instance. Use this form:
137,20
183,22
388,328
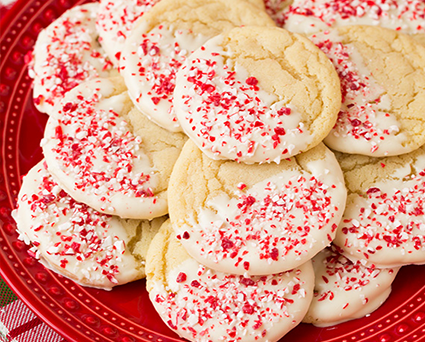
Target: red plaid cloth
19,324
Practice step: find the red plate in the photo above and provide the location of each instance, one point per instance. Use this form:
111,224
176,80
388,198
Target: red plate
124,314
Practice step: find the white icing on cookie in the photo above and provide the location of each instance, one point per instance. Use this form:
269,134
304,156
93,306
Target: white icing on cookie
385,227
275,9
202,305
271,227
229,116
309,16
365,124
92,152
115,22
75,240
345,290
149,64
66,54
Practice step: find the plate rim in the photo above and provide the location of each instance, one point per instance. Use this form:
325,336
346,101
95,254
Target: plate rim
17,282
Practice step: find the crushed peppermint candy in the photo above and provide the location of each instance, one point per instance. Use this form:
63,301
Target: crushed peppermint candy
273,227
67,54
407,16
150,69
213,306
341,274
275,9
226,112
345,290
388,217
70,234
97,150
116,20
365,116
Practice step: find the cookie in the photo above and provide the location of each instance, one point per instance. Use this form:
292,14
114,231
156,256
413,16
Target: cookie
383,223
74,240
255,219
162,40
67,53
382,76
203,305
420,37
309,16
108,155
115,21
345,290
259,3
257,95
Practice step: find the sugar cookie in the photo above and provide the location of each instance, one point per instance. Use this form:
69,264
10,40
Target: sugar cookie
345,290
383,224
259,3
115,22
162,40
91,248
255,219
106,154
203,305
382,76
420,37
309,16
257,94
67,53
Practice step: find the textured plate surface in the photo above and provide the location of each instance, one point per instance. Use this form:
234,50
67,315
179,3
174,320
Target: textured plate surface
125,313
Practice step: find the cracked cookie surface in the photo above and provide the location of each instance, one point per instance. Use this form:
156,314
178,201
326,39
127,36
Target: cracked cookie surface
382,76
255,219
164,38
257,95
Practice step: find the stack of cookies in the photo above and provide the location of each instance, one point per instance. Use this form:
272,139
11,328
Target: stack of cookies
290,165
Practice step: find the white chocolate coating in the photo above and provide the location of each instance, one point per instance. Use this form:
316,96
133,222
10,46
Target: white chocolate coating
276,10
66,54
345,290
85,245
272,226
94,155
365,124
309,16
149,64
229,116
384,226
116,20
203,305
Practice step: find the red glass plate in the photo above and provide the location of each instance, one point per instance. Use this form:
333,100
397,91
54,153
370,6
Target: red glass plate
125,313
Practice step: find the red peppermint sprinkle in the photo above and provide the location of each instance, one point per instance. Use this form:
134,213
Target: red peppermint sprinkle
233,302
65,65
83,129
83,233
390,220
216,98
275,225
181,277
386,13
